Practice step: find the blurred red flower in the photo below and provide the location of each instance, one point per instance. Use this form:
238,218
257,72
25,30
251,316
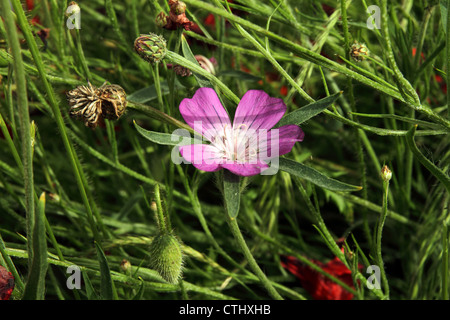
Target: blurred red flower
6,284
316,284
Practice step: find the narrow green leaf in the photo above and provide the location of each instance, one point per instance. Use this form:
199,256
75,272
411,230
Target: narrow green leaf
443,6
106,284
187,53
141,291
241,75
437,172
231,193
179,137
35,286
314,176
307,112
148,93
396,117
90,291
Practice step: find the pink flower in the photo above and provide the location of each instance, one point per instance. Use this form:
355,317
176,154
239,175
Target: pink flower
243,147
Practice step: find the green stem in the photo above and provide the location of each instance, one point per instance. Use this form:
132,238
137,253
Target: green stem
445,271
73,159
381,221
159,211
198,211
448,58
22,104
437,172
251,260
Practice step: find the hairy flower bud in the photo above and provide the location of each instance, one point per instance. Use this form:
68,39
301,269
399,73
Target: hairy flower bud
151,47
166,257
162,20
359,51
386,174
178,7
125,265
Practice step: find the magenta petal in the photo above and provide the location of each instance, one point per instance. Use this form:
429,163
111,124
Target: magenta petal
246,169
279,141
205,113
202,156
257,110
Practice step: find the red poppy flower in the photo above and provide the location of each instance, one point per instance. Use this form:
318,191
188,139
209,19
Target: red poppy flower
30,6
284,90
6,284
316,284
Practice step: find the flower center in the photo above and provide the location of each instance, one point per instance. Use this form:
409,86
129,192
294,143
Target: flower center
237,144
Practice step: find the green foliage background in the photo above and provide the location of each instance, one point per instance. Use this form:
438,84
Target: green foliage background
86,197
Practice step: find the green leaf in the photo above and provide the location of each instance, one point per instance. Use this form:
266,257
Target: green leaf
187,53
314,176
148,94
307,112
106,284
231,193
35,286
443,5
179,137
241,75
90,291
437,172
141,291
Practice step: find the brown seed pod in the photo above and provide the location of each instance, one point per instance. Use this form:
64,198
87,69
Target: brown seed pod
114,101
91,105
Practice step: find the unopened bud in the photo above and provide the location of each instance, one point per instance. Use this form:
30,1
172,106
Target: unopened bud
166,257
206,63
359,51
386,174
178,7
151,47
73,8
125,265
161,20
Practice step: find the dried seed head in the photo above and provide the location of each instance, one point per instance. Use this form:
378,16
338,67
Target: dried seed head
91,105
151,47
359,51
182,71
166,257
114,101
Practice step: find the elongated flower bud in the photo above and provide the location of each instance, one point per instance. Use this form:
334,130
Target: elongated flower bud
386,173
151,47
166,257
